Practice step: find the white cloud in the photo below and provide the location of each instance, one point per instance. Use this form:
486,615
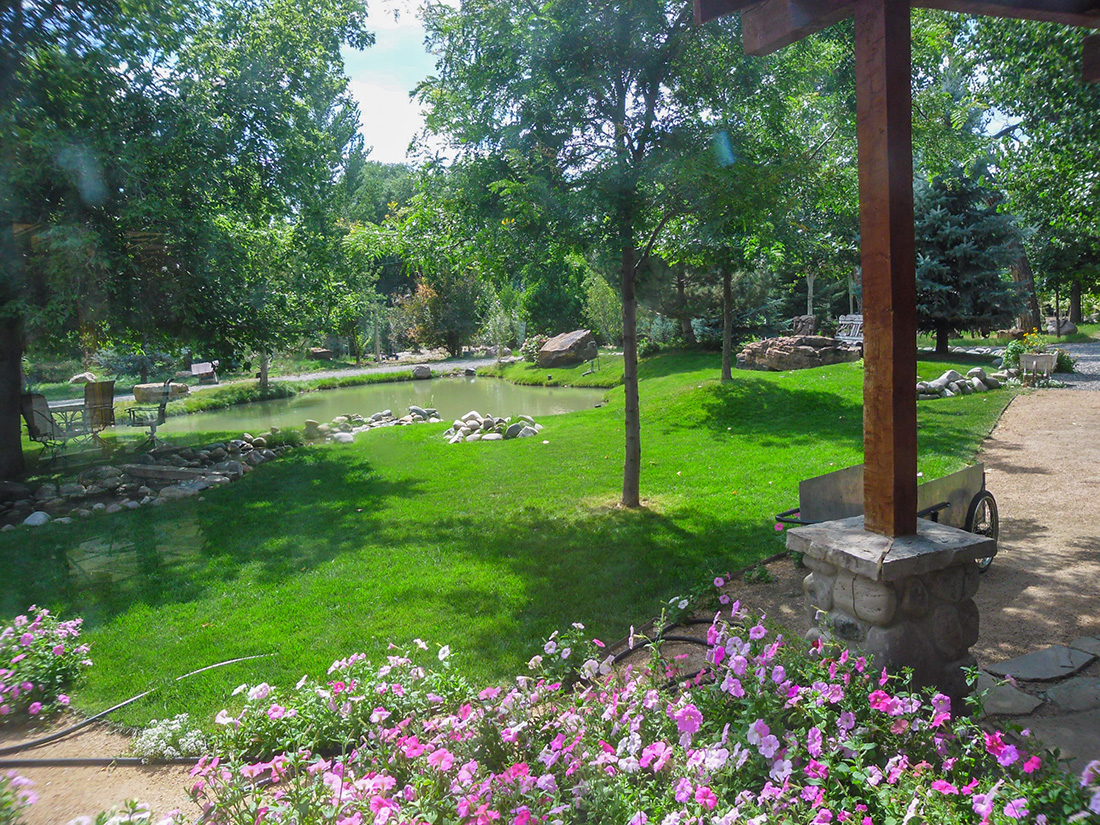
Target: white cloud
389,119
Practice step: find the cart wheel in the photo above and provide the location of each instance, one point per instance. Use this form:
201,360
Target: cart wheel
982,519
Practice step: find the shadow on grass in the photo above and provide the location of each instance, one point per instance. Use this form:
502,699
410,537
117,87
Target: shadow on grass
293,517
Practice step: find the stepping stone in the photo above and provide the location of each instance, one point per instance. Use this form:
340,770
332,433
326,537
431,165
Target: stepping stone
1056,662
1079,693
1004,700
1088,644
1077,735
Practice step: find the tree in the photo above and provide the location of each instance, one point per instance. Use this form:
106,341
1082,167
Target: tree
962,253
586,94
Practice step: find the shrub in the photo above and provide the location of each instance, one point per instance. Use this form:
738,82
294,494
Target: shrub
770,732
43,656
15,797
531,347
1033,342
169,739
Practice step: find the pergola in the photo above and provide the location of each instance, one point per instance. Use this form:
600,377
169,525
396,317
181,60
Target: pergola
884,129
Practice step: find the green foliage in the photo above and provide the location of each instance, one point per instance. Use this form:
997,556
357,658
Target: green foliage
603,309
531,347
134,363
43,657
961,254
16,797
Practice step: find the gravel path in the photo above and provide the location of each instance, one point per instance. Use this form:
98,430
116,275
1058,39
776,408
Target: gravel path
1087,373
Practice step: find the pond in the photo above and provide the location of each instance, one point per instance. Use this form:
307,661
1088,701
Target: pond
453,397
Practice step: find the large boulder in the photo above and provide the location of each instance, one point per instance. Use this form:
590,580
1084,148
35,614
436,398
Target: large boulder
422,371
568,348
1067,327
83,378
795,353
152,393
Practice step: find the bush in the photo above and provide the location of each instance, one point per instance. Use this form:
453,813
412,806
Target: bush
15,797
1033,342
531,347
774,732
43,657
169,739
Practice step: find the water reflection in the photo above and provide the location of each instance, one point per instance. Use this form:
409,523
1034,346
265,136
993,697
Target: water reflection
453,397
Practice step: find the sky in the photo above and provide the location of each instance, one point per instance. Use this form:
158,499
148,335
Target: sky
381,79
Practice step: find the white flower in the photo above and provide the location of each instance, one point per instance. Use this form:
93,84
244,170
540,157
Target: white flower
260,692
239,689
550,648
444,652
683,603
535,662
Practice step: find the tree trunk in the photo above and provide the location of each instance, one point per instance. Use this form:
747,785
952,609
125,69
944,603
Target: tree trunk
632,460
1020,270
727,325
353,345
1075,314
686,330
943,340
810,278
1057,313
11,390
264,364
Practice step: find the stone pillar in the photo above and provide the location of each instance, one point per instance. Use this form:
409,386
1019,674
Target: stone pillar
905,601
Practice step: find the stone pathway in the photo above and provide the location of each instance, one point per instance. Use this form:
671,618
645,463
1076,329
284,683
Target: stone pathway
1053,692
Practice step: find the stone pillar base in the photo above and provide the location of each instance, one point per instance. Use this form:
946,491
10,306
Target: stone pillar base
906,602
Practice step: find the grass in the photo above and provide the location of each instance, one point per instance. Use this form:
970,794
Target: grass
606,373
486,547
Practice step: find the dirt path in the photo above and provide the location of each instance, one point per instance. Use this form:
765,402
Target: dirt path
1043,466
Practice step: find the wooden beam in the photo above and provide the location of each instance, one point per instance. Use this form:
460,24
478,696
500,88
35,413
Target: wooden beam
773,24
1067,12
706,10
1090,63
884,128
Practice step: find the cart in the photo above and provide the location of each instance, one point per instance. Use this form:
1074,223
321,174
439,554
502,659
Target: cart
957,500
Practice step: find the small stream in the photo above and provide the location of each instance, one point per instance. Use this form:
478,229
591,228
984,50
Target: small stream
453,397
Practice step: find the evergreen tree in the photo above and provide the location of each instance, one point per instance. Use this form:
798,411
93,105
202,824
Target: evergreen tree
962,254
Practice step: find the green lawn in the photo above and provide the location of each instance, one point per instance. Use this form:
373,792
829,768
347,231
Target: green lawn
486,547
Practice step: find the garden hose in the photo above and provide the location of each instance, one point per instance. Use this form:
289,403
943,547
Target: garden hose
53,737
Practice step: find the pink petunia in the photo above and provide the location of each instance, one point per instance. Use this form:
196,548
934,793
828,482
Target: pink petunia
705,797
34,708
1016,809
1033,764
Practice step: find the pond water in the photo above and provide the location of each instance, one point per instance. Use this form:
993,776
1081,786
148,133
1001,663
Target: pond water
453,397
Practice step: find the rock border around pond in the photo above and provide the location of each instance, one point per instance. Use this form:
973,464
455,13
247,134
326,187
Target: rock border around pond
474,426
153,478
343,428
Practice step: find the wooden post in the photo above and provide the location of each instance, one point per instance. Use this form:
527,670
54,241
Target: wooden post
884,127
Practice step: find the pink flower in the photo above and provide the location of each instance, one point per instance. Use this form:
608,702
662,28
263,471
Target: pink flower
705,797
688,719
719,581
683,790
1016,809
441,759
757,632
63,700
1033,764
34,708
58,650
26,639
639,818
778,527
276,712
944,787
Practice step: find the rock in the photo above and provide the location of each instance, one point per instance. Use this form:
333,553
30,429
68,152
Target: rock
514,429
992,382
1004,700
113,508
1079,693
1088,644
470,372
82,512
527,432
978,385
340,419
568,348
422,371
320,354
526,418
343,438
14,491
231,469
153,393
63,520
83,378
73,491
795,353
259,443
977,372
175,491
311,429
37,519
950,377
1067,327
6,528
254,458
474,437
1054,662
130,504
419,412
99,507
472,415
492,437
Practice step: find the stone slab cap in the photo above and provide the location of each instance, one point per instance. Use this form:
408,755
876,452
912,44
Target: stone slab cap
846,544
1078,693
1088,644
1055,662
1003,699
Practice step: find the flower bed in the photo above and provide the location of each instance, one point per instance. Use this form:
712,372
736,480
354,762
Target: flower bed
39,656
770,732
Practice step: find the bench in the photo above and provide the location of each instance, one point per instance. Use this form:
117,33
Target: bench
850,329
206,371
151,416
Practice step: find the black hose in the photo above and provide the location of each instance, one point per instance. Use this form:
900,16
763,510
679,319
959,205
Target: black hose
53,737
97,762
